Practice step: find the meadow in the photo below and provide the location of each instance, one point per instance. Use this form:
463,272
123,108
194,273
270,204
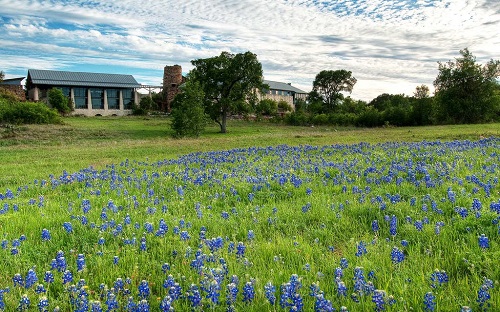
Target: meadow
112,214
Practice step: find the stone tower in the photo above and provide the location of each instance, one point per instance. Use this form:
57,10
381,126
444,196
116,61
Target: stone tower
172,79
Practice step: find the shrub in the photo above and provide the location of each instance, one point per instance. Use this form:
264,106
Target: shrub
188,114
267,107
297,119
58,101
27,113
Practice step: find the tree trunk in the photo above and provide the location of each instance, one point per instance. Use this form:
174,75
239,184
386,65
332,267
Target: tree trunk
223,122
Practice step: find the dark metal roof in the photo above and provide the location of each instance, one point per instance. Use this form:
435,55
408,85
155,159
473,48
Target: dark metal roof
12,81
275,85
65,78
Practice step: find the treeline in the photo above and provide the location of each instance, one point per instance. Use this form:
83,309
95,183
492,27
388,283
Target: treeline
465,92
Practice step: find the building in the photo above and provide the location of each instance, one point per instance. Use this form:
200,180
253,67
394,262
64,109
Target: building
92,94
280,91
15,86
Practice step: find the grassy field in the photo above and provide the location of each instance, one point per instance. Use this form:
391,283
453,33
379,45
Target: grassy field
112,214
34,151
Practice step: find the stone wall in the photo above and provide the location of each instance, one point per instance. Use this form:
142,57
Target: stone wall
172,79
17,90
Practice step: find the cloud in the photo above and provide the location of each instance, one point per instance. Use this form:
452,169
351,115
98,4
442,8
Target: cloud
391,46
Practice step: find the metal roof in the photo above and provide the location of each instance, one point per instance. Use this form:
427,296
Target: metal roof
275,85
12,81
66,78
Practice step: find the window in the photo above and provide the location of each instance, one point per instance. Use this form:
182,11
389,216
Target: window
80,95
97,97
128,99
66,91
113,96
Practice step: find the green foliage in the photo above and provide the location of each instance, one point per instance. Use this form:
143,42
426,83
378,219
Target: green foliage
465,90
188,115
58,101
2,76
267,107
283,106
228,81
329,84
27,113
7,95
146,105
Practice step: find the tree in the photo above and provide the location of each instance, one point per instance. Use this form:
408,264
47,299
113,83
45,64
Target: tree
2,76
465,90
188,114
58,101
421,92
228,81
330,83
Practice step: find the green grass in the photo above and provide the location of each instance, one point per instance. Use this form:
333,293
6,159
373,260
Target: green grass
313,222
34,151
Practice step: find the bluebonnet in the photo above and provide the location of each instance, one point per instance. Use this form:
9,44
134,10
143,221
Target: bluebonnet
166,304
484,242
40,289
378,297
80,262
95,306
438,278
361,249
240,250
483,295
397,255
419,225
344,263
131,306
111,301
248,292
393,225
290,297
67,277
43,304
213,292
143,246
339,272
429,302
68,227
194,296
49,277
184,235
270,293
45,235
232,292
116,259
24,303
375,226
18,280
144,290
250,235
321,304
143,306
30,279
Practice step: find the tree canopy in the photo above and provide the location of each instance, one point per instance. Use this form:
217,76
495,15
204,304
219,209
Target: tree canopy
329,84
465,90
229,81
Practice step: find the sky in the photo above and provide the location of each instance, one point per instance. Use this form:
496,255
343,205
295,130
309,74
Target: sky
390,46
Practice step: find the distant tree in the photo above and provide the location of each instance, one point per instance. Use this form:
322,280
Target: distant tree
228,81
267,107
2,76
465,90
330,83
188,114
58,101
421,92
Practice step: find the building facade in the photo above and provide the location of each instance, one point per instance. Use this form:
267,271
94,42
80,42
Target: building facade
280,91
15,86
92,94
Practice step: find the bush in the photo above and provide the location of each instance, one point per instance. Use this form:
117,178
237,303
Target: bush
297,119
369,118
27,113
188,113
267,107
321,119
58,101
342,119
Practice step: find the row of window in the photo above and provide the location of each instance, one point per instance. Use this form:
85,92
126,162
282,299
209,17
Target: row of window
279,92
97,97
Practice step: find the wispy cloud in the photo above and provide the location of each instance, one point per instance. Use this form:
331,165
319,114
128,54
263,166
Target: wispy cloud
390,46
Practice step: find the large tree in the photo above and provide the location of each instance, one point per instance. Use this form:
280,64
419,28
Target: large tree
330,83
228,81
465,90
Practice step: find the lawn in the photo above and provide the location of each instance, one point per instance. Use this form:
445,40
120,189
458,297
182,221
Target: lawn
112,214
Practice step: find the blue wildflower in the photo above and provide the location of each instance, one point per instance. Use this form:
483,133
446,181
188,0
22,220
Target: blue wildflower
483,241
30,279
393,225
24,303
45,235
67,277
40,289
143,306
194,296
397,255
166,304
43,304
240,250
144,289
248,292
375,226
80,262
49,277
361,247
378,297
429,302
68,227
18,280
270,293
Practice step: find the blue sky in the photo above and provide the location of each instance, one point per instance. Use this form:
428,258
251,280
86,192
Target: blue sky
391,46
